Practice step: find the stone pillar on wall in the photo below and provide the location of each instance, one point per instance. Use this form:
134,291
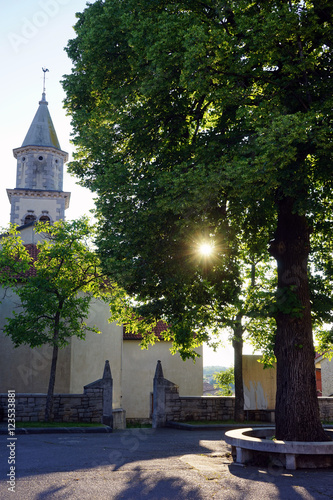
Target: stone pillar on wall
107,395
161,385
107,384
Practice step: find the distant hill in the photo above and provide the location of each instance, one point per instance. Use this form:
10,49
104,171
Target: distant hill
208,372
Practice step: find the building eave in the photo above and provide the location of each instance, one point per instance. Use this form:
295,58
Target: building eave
35,148
39,193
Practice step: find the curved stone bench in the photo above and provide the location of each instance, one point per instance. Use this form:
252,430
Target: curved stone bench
249,441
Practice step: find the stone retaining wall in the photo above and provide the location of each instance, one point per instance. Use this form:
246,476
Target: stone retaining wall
326,409
93,406
185,408
168,405
86,407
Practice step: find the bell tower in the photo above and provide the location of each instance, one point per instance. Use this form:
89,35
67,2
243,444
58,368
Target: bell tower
39,194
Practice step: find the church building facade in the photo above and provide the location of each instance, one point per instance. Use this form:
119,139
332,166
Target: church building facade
39,195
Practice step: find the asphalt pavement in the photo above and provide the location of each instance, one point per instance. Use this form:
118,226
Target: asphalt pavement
137,464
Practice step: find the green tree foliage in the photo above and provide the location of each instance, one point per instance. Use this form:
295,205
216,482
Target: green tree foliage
147,239
55,290
14,258
198,120
225,381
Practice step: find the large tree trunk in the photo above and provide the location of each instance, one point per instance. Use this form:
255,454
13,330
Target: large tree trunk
237,343
297,408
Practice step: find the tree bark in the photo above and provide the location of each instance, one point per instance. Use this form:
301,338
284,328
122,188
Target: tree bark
237,343
50,391
297,409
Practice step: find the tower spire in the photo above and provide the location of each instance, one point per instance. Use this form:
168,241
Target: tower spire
44,71
38,194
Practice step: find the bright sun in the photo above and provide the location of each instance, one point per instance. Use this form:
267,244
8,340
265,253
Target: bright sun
206,249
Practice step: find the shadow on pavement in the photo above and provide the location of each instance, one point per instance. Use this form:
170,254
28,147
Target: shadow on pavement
149,464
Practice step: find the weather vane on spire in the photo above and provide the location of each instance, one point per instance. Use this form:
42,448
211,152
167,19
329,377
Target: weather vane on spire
44,71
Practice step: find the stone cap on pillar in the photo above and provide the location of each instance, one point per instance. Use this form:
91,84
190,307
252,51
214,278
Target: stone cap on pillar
159,377
102,382
107,370
159,371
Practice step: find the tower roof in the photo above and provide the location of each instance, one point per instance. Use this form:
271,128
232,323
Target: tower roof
42,131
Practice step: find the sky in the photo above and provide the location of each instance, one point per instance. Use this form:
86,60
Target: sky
33,36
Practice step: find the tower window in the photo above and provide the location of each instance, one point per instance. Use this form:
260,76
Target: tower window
23,159
40,158
44,218
29,218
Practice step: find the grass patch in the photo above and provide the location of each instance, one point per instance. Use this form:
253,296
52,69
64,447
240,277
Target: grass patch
27,425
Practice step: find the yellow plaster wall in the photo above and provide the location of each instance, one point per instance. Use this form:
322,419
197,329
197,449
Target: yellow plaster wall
24,369
326,367
80,363
139,367
88,357
29,236
259,384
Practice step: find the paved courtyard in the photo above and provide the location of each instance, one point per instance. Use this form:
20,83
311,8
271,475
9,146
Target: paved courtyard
151,464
